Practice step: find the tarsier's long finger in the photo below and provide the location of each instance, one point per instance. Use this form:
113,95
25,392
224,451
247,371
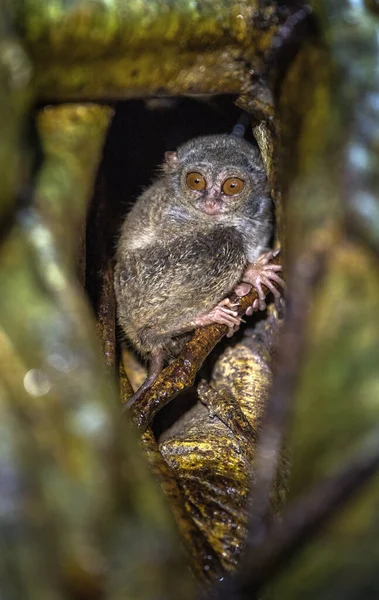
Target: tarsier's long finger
250,309
228,311
275,292
271,267
229,322
225,318
261,295
263,260
233,330
278,279
262,304
227,302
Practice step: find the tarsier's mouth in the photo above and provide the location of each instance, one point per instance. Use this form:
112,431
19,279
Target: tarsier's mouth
212,207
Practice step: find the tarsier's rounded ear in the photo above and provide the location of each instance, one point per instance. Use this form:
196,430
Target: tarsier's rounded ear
171,158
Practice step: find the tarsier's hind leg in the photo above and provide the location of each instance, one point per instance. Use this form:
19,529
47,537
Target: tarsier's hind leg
223,313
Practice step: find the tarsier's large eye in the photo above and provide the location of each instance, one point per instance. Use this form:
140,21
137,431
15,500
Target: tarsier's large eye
233,186
196,181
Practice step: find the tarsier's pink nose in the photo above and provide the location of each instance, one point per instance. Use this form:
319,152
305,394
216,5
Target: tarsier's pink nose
212,205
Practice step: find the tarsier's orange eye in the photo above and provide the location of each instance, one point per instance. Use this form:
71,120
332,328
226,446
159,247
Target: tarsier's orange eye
233,186
196,181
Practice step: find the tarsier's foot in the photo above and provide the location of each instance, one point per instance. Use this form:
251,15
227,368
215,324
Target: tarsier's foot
224,313
258,274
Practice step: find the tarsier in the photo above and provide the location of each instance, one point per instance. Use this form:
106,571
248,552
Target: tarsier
201,231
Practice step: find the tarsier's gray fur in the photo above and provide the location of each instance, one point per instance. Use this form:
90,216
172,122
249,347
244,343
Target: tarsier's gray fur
174,263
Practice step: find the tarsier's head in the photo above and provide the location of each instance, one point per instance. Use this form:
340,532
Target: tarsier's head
217,175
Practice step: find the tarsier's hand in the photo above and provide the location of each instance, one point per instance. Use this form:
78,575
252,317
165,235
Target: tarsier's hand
258,274
224,313
255,275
